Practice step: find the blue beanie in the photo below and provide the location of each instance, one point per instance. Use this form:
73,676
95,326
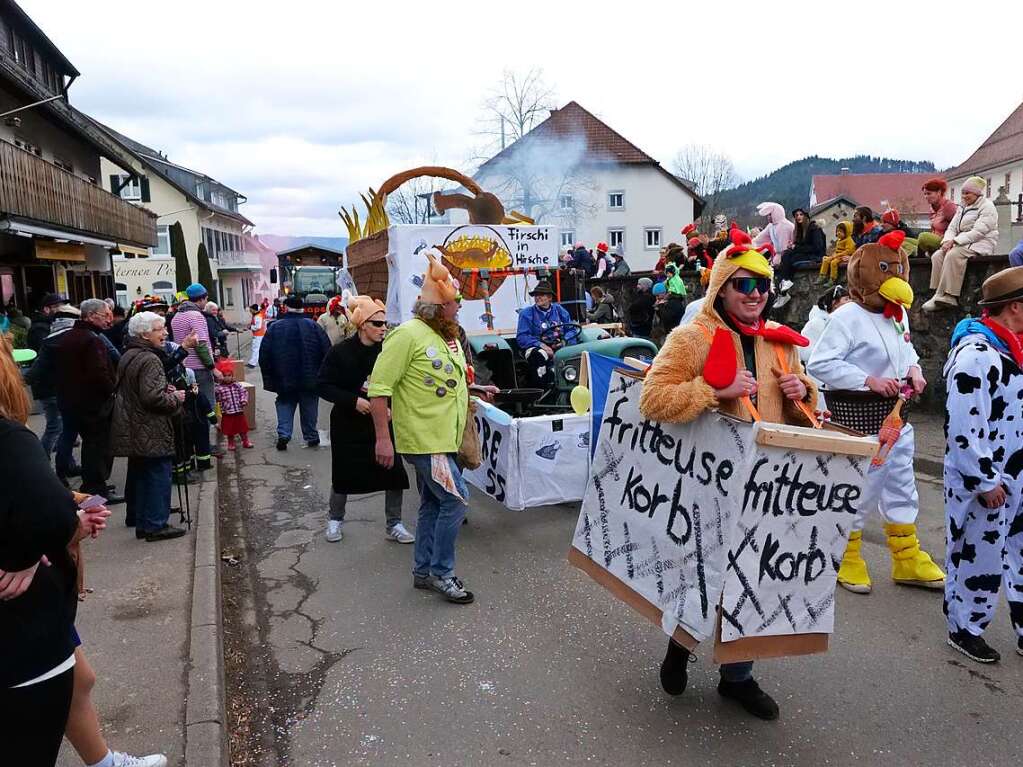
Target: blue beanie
195,290
659,289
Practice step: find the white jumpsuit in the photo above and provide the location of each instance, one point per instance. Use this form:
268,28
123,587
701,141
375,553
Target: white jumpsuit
857,343
983,449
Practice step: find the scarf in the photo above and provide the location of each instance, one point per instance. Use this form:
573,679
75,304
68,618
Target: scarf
780,334
1007,337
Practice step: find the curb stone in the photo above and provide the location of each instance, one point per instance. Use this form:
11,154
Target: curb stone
205,708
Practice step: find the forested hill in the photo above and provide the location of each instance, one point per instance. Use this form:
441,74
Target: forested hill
790,184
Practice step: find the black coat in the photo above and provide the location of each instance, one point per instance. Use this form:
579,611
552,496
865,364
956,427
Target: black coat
342,380
291,354
39,330
37,516
641,314
671,312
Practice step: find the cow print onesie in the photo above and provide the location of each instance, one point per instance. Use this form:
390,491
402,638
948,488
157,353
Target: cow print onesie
983,448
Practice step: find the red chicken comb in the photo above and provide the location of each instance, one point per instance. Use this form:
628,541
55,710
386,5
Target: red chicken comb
721,366
740,241
892,240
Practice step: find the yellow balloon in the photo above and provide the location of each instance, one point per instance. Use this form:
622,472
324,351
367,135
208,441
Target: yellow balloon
581,399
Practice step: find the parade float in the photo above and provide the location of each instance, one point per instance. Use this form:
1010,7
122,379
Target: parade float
535,442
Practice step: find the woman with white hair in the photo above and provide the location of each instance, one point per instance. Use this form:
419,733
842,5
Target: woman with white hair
973,231
143,427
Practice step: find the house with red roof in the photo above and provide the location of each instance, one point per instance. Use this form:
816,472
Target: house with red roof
576,172
878,191
999,161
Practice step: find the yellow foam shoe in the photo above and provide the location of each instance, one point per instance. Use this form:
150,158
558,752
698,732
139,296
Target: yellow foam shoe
911,565
852,573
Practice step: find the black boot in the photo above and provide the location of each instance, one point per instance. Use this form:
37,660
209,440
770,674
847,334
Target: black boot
749,695
675,668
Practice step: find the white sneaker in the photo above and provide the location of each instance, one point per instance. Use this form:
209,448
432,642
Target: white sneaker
127,760
782,300
786,286
334,533
399,534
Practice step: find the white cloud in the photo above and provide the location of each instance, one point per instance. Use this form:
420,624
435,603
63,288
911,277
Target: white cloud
299,106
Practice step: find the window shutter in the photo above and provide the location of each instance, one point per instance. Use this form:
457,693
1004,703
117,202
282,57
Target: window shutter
114,181
145,189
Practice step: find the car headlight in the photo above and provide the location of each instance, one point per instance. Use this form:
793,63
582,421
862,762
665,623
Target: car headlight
570,373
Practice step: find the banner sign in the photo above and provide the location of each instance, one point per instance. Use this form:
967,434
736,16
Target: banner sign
530,462
699,516
471,246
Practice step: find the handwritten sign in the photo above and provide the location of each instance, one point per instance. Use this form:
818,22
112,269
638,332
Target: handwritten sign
699,520
472,246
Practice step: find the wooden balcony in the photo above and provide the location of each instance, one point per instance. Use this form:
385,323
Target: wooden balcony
34,189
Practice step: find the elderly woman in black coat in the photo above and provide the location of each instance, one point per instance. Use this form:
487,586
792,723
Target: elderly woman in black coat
343,380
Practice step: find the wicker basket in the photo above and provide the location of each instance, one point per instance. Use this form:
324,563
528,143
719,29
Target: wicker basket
863,411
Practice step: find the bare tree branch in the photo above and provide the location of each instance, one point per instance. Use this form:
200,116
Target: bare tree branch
412,202
710,172
513,108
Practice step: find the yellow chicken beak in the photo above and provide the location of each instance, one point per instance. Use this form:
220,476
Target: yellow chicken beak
898,291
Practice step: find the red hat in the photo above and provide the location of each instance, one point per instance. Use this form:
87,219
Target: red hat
602,247
688,229
694,242
890,217
225,366
935,185
893,240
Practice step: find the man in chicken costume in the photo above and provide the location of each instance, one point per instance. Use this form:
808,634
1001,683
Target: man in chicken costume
868,367
730,359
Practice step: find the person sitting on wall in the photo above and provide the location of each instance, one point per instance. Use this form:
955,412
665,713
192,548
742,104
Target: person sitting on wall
943,210
544,328
973,231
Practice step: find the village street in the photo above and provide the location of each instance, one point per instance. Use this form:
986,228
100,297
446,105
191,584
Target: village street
345,663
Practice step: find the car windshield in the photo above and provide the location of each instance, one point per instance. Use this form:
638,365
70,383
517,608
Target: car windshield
313,279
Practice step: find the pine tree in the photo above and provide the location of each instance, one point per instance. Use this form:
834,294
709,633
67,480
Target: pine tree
205,272
182,271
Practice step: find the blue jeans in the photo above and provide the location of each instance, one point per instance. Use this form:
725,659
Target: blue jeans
147,493
308,404
737,672
52,432
65,459
440,517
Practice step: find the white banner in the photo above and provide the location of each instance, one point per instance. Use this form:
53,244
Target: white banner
471,246
529,462
693,516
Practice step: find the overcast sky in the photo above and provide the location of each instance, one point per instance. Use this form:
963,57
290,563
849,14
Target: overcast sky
300,105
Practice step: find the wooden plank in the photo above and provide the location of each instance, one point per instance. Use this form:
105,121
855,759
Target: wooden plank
757,648
800,438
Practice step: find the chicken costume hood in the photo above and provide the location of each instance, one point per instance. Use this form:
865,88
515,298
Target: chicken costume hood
878,276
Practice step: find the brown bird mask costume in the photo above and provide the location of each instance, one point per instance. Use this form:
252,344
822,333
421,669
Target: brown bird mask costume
879,276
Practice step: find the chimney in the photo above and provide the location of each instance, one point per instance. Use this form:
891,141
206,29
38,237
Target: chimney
843,171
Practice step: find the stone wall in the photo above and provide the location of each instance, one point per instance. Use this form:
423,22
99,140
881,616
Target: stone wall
931,332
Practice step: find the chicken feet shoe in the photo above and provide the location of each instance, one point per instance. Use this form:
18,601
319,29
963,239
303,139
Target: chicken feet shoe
852,573
911,565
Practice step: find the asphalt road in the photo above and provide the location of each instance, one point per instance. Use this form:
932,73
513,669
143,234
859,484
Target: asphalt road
334,659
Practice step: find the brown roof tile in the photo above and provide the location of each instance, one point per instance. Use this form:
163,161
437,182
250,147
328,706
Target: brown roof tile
878,191
1003,146
603,144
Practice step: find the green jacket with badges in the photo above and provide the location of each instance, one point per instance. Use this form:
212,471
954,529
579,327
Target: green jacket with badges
426,383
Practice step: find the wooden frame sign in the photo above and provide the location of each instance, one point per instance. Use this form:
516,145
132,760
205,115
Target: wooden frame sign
720,529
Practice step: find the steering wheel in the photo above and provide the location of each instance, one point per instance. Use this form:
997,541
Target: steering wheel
554,332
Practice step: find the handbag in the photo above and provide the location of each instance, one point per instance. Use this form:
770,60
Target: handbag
469,455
